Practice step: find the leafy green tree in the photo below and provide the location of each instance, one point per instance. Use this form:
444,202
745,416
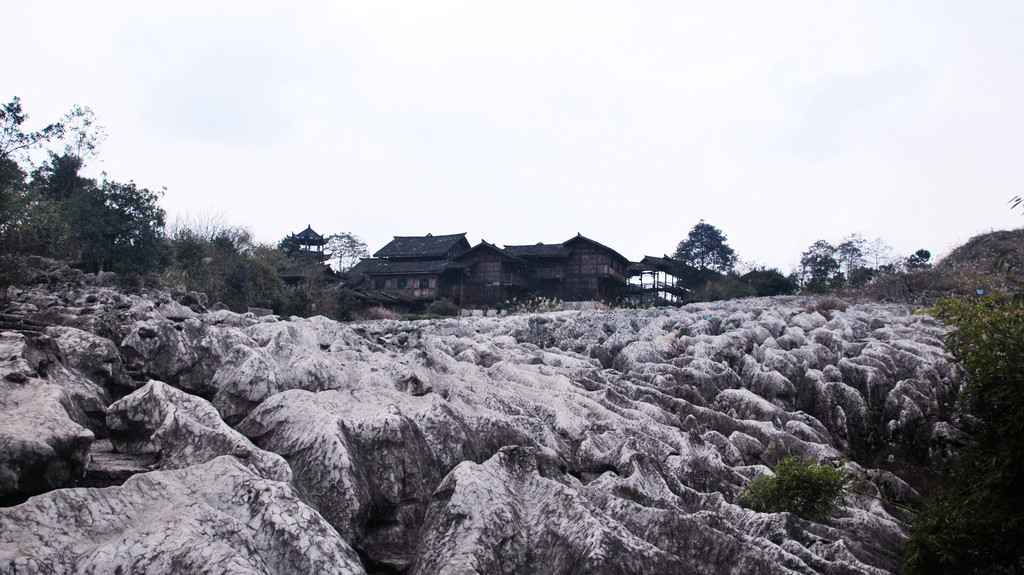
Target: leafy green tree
15,202
116,227
976,525
819,268
705,248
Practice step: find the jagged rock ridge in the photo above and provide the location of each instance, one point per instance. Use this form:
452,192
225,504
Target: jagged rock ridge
573,442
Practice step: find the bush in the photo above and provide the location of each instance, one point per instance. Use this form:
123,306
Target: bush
443,308
12,269
976,524
373,313
725,288
770,282
799,486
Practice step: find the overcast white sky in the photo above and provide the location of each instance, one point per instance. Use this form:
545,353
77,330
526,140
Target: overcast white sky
519,122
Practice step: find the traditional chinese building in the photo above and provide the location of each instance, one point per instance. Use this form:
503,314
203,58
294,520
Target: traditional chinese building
414,269
426,268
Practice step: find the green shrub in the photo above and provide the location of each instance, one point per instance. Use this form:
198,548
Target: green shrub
12,269
443,308
976,523
798,486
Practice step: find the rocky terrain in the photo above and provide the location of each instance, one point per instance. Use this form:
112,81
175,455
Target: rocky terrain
147,434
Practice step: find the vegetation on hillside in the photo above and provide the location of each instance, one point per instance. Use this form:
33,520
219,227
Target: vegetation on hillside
49,209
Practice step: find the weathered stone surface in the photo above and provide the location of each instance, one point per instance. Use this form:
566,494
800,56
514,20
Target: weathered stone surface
95,357
582,441
283,355
183,430
504,517
187,353
43,444
213,518
367,459
699,402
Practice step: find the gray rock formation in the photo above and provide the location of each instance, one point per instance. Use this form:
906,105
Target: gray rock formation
655,418
44,443
215,517
571,442
183,430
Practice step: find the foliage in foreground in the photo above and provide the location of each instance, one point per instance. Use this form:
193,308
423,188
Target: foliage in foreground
799,486
977,524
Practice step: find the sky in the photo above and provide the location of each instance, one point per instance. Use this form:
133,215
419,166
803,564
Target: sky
780,123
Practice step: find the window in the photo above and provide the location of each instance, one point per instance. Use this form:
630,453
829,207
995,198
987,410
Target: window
378,284
425,283
401,283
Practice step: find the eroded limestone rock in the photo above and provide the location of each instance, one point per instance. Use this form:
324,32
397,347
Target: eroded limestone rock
43,442
218,517
183,430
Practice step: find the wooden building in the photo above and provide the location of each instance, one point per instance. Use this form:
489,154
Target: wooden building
575,270
427,268
661,279
488,275
412,268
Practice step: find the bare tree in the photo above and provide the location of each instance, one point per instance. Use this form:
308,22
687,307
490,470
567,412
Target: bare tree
347,249
879,253
82,136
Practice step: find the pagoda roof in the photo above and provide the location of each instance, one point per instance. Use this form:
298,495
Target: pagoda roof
309,237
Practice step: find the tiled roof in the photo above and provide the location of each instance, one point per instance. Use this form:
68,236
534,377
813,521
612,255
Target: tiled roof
581,237
308,234
378,266
539,251
486,245
420,246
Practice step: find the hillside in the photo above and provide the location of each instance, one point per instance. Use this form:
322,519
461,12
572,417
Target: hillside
569,442
992,262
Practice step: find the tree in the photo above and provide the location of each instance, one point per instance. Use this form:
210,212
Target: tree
770,282
115,226
15,203
347,249
14,140
819,268
81,134
705,249
58,178
976,524
919,261
850,253
878,253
